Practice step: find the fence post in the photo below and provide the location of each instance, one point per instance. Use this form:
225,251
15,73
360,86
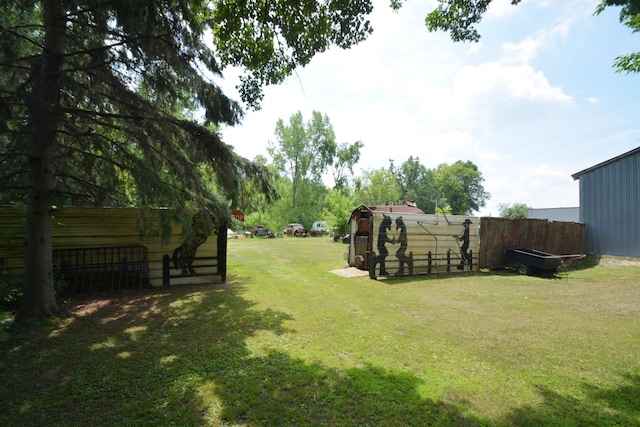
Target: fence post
165,270
429,263
448,260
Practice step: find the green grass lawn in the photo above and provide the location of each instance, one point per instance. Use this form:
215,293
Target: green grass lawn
286,343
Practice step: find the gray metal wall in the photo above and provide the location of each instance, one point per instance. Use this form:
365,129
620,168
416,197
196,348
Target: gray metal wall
610,208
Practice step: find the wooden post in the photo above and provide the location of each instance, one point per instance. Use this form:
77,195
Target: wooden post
166,270
222,252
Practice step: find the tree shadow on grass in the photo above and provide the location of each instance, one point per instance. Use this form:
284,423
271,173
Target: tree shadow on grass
601,407
187,356
279,390
181,356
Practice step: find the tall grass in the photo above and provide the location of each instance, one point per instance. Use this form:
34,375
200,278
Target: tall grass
286,343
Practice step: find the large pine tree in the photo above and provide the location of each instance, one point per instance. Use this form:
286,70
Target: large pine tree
97,99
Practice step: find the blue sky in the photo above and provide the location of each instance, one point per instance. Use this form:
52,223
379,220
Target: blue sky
533,102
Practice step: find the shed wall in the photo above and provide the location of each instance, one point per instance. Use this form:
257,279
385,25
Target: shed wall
610,206
410,244
77,227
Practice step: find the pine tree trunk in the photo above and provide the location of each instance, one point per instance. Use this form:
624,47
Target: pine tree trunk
43,103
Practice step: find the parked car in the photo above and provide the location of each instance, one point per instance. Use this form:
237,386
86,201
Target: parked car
344,238
257,231
295,230
319,228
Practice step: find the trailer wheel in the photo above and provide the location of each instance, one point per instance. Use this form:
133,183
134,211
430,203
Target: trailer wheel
522,269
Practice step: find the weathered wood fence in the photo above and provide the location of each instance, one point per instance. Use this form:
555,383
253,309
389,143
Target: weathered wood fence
91,244
499,234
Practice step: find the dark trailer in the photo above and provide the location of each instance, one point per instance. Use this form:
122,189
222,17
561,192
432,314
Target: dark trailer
531,261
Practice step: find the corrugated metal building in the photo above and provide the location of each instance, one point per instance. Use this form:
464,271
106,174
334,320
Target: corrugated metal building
610,205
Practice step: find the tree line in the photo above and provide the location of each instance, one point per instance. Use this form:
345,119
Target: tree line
305,154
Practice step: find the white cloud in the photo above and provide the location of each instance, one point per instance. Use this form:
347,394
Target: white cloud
500,9
499,95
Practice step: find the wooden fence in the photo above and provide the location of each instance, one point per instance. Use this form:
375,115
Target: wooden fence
77,228
498,234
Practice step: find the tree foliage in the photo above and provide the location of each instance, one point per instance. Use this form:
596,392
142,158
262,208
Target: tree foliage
416,183
347,155
96,100
377,187
303,151
337,211
459,17
513,210
460,184
455,189
629,16
269,39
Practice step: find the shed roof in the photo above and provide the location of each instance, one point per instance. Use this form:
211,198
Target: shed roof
408,208
606,162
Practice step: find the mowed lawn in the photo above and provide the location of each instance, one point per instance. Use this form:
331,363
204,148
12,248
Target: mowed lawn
287,343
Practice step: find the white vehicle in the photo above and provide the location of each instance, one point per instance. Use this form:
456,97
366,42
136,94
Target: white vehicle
319,228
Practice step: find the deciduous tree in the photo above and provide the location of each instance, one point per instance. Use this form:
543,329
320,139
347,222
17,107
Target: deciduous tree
303,151
377,187
460,184
337,211
347,155
513,210
416,183
629,16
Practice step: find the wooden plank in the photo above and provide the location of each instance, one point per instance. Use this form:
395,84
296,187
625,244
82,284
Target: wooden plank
499,234
75,227
410,240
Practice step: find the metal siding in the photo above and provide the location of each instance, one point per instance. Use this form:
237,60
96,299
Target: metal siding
609,206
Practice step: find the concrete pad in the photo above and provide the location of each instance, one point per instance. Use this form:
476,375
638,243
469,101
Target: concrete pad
349,272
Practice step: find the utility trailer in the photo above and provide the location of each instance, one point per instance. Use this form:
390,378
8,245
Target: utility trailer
532,261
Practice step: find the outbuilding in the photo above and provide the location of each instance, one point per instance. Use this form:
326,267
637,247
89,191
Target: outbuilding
610,205
402,240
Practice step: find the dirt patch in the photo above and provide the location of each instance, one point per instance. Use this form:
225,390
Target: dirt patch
606,261
619,262
90,307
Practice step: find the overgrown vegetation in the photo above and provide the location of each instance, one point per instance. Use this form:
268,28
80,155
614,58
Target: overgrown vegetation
285,343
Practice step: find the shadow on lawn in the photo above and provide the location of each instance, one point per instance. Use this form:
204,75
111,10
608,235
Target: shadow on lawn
601,407
182,357
589,261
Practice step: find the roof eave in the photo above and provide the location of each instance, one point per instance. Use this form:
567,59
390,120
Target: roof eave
577,175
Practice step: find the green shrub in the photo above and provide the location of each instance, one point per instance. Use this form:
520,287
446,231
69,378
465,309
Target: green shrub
10,291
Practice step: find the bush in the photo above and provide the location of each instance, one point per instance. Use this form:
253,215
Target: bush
11,291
